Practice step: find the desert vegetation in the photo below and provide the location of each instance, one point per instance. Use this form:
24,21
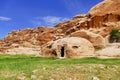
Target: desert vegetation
114,35
21,67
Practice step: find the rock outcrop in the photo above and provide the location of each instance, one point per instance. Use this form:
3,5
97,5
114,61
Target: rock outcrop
112,50
71,47
100,24
23,51
95,39
106,7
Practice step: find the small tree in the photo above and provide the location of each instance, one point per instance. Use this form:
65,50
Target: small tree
114,36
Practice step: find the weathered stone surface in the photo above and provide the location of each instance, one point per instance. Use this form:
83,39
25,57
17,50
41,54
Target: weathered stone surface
111,50
23,50
106,7
29,35
95,39
46,50
71,47
30,38
96,22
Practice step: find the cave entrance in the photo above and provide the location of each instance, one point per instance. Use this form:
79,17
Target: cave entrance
62,51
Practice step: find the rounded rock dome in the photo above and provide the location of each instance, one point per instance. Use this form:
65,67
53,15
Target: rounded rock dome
73,47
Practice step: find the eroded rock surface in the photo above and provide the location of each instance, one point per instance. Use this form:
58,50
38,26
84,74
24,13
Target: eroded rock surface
106,7
71,47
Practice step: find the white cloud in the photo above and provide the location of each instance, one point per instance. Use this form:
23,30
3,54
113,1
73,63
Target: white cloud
48,20
52,20
2,18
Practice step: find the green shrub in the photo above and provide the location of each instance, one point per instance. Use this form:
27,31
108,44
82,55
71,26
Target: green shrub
114,36
98,48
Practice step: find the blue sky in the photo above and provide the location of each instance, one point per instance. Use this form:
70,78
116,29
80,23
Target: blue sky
21,14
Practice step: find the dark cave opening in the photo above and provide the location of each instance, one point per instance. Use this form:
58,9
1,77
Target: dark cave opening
62,51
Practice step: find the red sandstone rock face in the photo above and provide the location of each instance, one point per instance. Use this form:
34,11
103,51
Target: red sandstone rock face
105,12
87,22
30,38
30,35
106,7
26,38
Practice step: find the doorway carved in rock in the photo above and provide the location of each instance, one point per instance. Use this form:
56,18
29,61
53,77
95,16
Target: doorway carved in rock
62,54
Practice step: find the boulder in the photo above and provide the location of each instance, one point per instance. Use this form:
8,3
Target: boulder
95,39
113,50
46,50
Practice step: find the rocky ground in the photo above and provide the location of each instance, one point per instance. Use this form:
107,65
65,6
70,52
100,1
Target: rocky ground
35,68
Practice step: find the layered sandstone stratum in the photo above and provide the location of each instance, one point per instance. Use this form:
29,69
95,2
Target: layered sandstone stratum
93,26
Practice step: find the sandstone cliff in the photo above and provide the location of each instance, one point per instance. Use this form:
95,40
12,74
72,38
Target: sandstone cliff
106,7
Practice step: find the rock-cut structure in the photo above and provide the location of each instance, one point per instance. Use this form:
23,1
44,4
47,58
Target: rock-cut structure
70,47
